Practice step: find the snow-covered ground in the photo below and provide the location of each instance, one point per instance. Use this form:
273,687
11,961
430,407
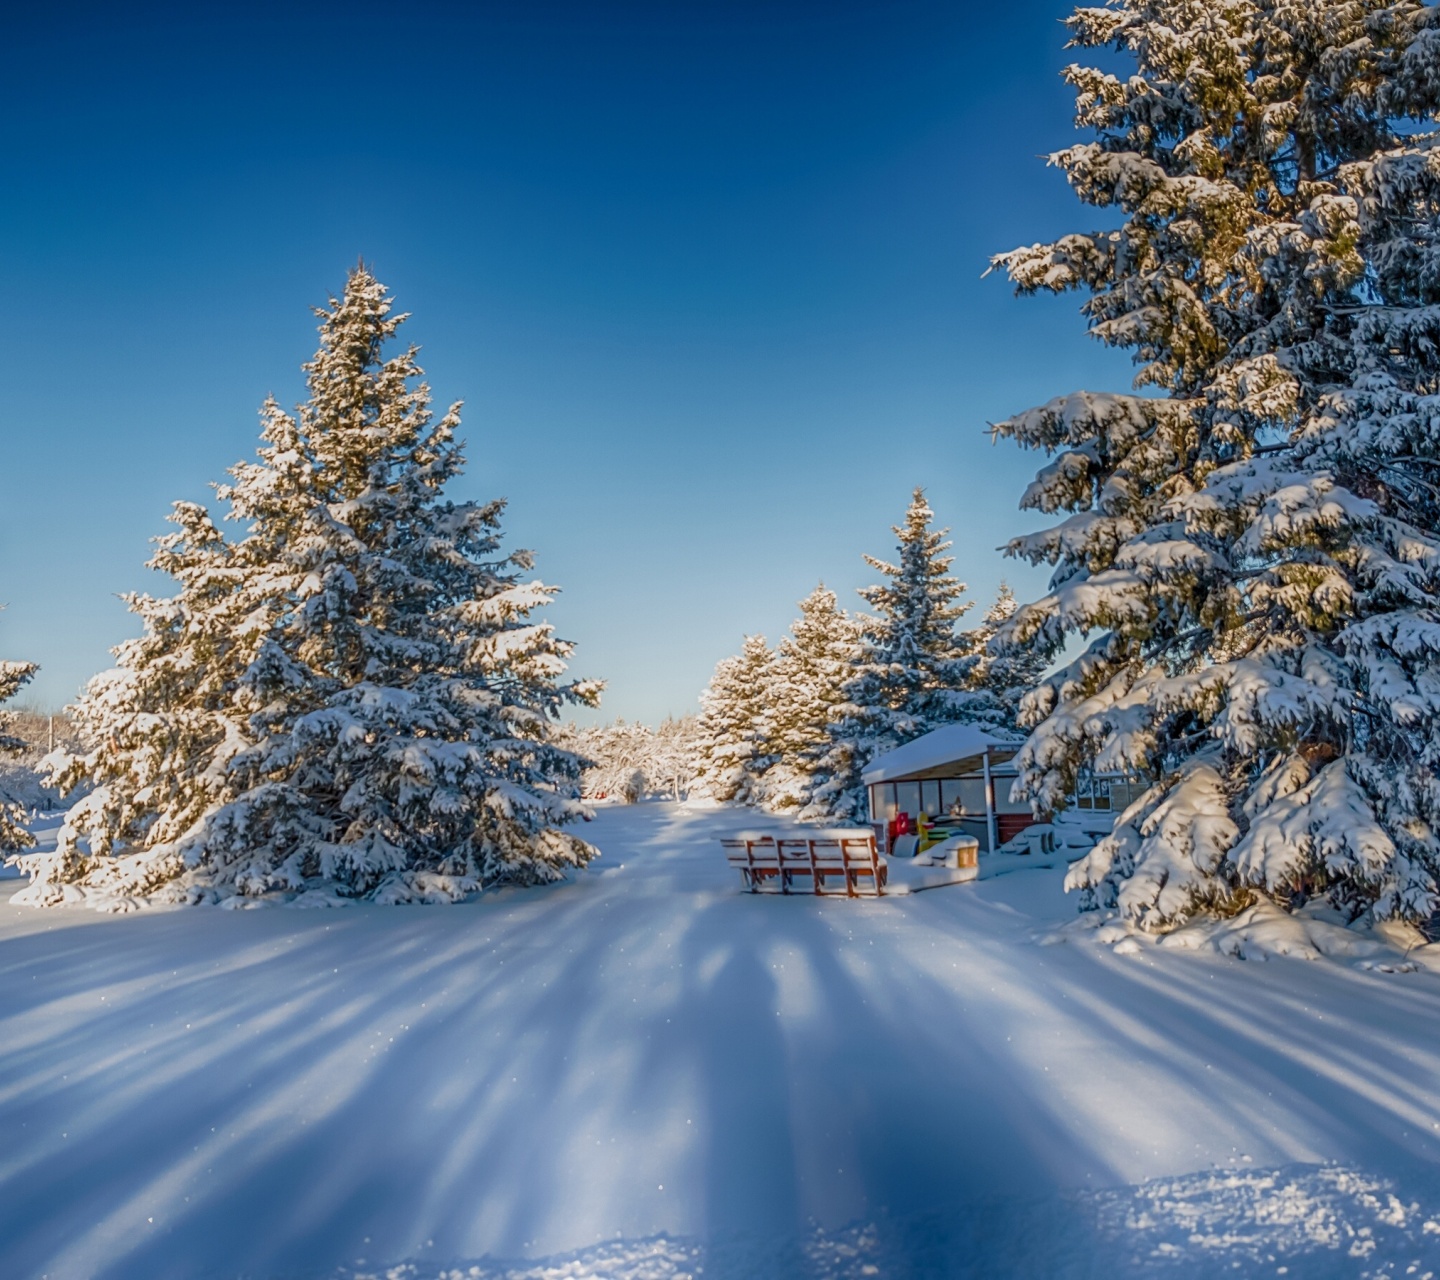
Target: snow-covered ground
644,1073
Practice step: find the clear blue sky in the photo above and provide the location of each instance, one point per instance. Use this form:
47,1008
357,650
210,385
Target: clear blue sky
707,276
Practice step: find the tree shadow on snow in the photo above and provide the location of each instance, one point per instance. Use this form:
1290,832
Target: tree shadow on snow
205,1093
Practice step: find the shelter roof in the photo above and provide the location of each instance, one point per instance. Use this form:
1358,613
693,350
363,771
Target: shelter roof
956,747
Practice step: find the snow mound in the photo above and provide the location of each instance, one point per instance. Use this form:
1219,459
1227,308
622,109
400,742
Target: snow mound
1301,1220
1331,1220
1263,931
657,1259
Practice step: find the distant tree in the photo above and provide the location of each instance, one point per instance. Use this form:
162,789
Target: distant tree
353,700
913,672
615,758
734,729
674,756
628,761
1002,673
807,679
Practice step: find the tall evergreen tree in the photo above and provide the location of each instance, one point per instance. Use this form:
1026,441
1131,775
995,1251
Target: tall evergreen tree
734,731
913,665
1252,550
913,670
353,699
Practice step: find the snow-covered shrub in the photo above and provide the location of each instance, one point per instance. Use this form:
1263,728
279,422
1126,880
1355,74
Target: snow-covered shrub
628,761
351,698
674,758
1248,543
33,734
13,799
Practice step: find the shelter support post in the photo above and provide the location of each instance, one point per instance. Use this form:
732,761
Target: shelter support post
990,831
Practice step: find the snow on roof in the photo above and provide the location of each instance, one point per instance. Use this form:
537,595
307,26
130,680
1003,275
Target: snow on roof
947,745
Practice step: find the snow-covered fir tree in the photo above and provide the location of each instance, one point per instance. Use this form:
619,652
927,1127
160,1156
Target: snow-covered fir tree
812,665
913,671
1251,551
13,835
354,698
1004,674
913,665
734,730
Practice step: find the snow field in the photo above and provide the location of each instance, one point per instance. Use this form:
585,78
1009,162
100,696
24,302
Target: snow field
646,1073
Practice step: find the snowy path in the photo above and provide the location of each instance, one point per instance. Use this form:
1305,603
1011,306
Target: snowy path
784,1086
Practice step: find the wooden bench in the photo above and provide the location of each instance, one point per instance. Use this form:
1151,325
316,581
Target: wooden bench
797,864
811,862
758,860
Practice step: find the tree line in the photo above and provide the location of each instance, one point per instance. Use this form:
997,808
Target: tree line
791,728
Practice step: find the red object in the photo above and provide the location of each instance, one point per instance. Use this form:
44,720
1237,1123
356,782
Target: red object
1012,824
899,826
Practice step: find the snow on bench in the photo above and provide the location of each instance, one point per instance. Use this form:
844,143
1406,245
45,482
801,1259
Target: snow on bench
812,862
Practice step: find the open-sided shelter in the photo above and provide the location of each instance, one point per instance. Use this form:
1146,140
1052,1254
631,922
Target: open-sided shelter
960,773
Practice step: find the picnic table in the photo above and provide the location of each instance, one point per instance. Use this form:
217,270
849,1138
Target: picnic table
840,861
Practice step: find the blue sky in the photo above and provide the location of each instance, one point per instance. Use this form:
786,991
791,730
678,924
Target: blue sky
707,276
